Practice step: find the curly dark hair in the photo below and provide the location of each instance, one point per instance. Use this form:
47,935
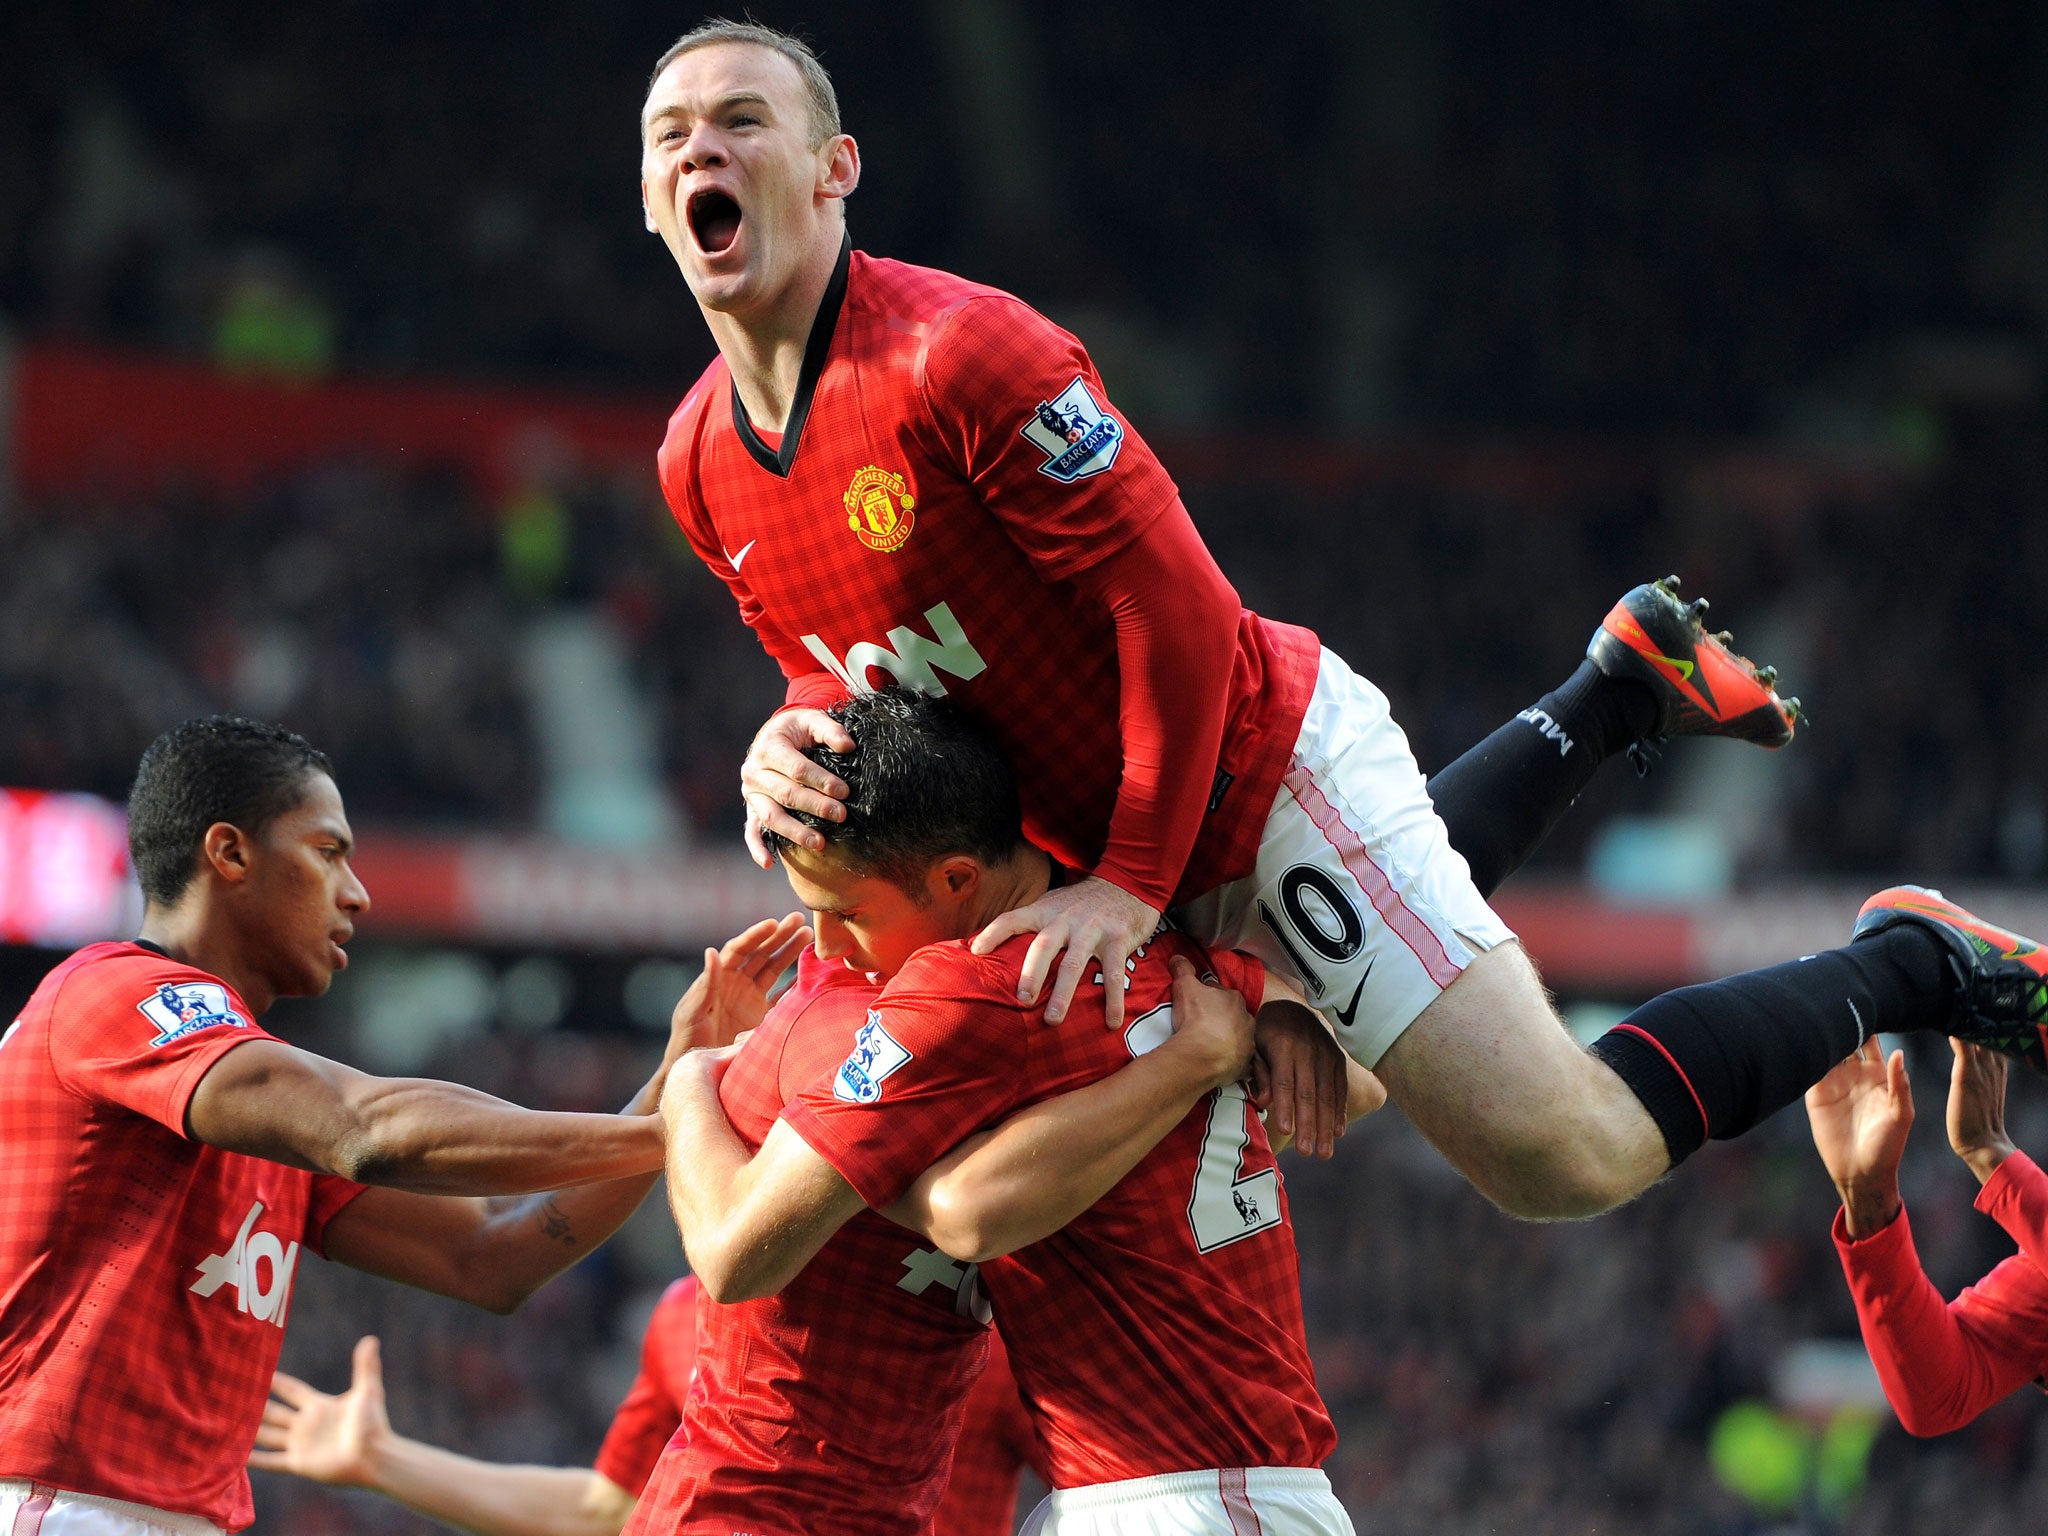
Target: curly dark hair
219,768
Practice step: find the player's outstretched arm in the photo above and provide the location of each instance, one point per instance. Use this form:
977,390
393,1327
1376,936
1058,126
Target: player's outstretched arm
494,1253
272,1100
1941,1364
348,1441
750,1222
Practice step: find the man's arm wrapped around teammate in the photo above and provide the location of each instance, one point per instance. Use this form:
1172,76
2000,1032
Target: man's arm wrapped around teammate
480,1199
750,1223
1941,1364
1000,1190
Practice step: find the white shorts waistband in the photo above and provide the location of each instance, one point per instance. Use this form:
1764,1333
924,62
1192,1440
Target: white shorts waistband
163,1519
1135,1490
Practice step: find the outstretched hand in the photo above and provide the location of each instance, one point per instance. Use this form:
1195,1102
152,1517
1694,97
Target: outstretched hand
777,778
1861,1113
317,1435
1976,1109
731,996
1093,924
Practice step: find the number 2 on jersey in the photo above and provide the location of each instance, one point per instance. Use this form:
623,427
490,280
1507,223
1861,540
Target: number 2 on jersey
1225,1207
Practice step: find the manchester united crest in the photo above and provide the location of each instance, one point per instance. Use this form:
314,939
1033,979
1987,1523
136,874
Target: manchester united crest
879,509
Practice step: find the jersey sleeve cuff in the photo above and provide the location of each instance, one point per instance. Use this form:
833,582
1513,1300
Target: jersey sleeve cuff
2008,1184
1146,890
1885,1248
875,1186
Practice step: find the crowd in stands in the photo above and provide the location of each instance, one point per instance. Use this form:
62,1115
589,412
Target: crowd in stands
1590,215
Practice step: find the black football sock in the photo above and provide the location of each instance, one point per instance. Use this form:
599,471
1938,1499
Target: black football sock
1716,1059
1503,796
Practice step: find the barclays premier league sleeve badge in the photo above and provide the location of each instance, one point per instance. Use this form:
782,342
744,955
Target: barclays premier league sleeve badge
178,1011
875,1056
1076,435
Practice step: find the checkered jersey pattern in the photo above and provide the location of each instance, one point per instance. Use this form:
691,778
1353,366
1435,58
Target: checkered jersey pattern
1162,1330
996,1445
653,1406
144,1278
922,537
834,1405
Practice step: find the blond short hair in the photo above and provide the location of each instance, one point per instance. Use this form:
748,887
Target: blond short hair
823,100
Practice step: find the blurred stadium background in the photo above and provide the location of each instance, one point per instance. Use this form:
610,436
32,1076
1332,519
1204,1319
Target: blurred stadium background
335,358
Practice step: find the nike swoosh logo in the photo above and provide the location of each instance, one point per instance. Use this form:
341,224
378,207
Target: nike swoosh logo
1684,667
1350,1010
742,555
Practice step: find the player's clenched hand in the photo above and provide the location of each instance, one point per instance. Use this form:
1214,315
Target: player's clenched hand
326,1438
1976,1109
776,775
1211,1025
1861,1113
1300,1078
1094,925
731,996
694,1080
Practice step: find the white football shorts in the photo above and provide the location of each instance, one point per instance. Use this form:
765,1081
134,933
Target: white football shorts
1235,1501
30,1509
1358,896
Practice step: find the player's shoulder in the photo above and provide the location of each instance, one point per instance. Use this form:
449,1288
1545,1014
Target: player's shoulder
952,970
905,292
103,982
687,421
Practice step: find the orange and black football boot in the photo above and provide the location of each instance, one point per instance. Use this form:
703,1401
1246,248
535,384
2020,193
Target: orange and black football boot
1703,688
2001,978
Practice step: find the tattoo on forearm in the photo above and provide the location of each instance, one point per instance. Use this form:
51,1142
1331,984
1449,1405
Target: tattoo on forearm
554,1222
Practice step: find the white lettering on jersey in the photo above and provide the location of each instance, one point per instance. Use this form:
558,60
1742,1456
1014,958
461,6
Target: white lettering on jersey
238,1268
924,1268
909,658
875,1055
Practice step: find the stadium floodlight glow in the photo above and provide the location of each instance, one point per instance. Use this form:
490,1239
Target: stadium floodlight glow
64,875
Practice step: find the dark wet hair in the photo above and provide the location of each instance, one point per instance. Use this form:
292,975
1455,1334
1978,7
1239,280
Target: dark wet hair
219,768
924,782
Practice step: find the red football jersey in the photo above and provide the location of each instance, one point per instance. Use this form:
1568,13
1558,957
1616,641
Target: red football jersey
1162,1330
653,1405
834,1405
996,1444
144,1277
952,464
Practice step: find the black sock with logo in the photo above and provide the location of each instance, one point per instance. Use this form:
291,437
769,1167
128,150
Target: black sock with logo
1503,796
1716,1059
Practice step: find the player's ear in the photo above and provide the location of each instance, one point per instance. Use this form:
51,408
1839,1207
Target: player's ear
226,850
954,879
647,213
838,166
